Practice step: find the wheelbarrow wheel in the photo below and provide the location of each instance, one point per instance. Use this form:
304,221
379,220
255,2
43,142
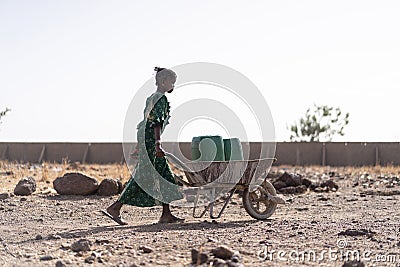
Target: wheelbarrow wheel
257,204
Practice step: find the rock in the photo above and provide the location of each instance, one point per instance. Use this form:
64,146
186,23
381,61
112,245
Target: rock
301,189
65,246
120,187
60,264
234,264
91,259
25,187
108,187
357,232
102,241
219,263
330,184
53,236
39,237
353,263
146,249
291,179
46,258
306,182
279,185
198,258
302,209
4,196
320,190
288,190
75,184
291,183
222,252
81,245
235,258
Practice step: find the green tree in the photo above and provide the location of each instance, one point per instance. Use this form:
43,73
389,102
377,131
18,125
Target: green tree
320,123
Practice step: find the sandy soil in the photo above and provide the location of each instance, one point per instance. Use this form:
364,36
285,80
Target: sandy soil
361,219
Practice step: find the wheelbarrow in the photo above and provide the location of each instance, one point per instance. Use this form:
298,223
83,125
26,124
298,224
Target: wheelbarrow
221,179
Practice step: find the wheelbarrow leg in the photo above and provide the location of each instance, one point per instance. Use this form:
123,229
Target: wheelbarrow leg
223,207
195,205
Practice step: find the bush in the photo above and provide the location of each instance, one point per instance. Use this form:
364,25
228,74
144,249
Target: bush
320,123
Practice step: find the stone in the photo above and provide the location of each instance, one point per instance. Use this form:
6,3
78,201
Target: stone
306,182
353,263
121,186
146,249
234,264
279,185
291,179
222,252
4,196
330,184
60,264
25,187
301,189
357,232
235,258
53,236
219,263
81,245
75,184
198,258
46,258
108,187
288,190
91,259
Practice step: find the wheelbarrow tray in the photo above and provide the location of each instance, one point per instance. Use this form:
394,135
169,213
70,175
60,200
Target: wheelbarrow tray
227,173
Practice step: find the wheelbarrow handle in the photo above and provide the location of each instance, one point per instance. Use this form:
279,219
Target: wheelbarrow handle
177,161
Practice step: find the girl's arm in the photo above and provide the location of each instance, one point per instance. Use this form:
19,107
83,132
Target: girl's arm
157,134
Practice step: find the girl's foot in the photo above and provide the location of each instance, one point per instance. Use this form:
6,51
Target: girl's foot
170,219
114,213
116,219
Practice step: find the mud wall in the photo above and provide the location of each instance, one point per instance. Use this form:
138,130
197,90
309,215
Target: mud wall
287,153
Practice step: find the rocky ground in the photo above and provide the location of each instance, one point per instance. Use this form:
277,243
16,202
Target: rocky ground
316,227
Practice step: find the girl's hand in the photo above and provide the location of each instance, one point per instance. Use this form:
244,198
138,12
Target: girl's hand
135,153
159,151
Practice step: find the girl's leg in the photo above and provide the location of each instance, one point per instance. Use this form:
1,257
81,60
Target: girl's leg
115,209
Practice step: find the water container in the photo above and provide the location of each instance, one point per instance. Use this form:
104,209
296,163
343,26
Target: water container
208,148
233,149
195,147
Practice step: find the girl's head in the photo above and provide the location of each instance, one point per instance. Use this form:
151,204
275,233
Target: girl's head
165,79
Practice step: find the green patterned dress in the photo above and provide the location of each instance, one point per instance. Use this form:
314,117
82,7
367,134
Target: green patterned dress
153,182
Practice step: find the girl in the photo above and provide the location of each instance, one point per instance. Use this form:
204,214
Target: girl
152,165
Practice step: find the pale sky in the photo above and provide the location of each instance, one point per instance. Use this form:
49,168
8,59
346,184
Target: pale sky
70,68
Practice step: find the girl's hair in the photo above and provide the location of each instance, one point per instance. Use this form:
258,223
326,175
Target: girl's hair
163,73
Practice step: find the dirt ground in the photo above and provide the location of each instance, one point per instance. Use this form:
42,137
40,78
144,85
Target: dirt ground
361,219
